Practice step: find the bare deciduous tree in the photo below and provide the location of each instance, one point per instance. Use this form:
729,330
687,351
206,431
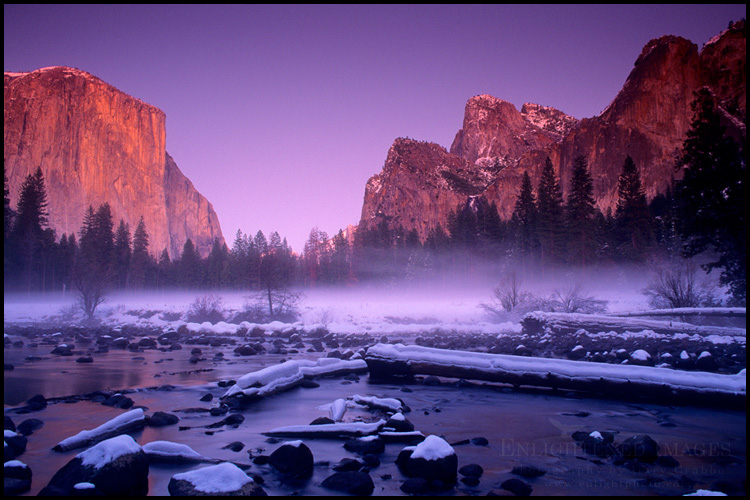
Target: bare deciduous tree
680,285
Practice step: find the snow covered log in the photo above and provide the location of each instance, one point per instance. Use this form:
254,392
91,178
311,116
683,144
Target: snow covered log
388,361
328,431
729,312
167,451
277,378
538,322
122,424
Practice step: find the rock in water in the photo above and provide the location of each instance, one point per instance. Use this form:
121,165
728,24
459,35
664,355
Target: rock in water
224,479
350,482
431,459
292,459
116,466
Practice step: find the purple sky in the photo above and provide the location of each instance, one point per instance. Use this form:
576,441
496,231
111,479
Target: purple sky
280,114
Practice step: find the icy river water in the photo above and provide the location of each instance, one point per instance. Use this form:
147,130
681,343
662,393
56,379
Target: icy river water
521,427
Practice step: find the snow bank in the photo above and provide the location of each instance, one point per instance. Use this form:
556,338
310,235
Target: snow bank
132,420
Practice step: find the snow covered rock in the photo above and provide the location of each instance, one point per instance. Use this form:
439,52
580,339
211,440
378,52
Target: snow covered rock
596,443
116,466
14,445
398,423
224,479
641,357
292,459
705,361
367,445
167,451
127,422
431,459
16,477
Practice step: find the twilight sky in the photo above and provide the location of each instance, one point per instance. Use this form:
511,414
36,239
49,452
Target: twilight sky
279,114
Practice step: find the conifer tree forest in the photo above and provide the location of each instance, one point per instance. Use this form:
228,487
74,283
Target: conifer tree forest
702,215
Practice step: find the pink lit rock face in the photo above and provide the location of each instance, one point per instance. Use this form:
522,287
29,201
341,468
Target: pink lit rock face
96,144
648,120
419,186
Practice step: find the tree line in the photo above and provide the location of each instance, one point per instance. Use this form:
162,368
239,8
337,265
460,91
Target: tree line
703,213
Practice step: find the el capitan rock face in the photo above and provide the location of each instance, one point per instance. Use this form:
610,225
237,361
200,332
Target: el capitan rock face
96,144
648,120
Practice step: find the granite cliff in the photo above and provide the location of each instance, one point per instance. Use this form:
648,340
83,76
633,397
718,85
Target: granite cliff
96,144
648,120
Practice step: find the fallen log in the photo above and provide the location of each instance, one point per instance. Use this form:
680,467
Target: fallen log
328,431
729,312
387,361
284,376
562,323
122,424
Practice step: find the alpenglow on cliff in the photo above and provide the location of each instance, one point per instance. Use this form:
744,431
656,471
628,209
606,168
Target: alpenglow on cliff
96,144
422,182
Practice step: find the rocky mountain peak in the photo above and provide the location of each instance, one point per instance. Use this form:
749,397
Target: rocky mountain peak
648,120
494,128
548,118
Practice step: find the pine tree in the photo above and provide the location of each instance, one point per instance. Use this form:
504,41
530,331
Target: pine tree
315,256
27,236
711,198
340,264
217,264
550,216
104,237
122,252
633,220
94,270
164,270
189,266
580,211
524,220
141,261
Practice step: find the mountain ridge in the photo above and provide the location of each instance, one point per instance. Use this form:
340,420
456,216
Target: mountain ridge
648,119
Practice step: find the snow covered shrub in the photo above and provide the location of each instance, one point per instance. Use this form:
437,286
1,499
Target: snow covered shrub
575,300
206,308
680,285
271,305
510,303
508,298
